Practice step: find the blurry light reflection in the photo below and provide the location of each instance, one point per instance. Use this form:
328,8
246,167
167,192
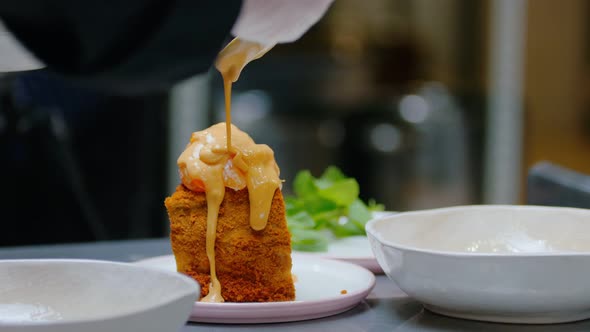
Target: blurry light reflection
386,138
251,106
414,108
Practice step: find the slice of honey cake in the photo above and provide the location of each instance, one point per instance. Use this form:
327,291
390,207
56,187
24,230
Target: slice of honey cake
227,220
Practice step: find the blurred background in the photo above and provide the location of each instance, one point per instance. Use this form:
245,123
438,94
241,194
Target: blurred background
427,103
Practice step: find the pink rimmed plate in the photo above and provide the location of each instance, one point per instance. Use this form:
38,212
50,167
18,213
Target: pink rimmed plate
323,288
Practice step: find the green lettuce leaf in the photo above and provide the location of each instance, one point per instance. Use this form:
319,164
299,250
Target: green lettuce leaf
326,207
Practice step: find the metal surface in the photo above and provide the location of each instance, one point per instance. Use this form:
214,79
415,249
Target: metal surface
386,308
505,108
555,185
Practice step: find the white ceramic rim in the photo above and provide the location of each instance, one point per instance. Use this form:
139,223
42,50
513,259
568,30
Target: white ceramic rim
98,318
288,311
298,256
284,311
371,232
286,304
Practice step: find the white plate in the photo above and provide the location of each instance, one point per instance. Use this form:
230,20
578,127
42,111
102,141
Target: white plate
318,287
354,249
65,295
512,264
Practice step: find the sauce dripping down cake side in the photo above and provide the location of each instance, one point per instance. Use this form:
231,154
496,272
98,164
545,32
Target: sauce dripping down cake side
227,218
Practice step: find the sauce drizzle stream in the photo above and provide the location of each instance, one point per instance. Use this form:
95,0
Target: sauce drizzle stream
209,164
227,91
230,63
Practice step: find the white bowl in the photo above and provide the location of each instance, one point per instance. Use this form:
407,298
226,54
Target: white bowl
92,296
515,264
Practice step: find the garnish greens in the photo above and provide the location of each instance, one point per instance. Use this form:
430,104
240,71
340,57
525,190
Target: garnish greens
325,208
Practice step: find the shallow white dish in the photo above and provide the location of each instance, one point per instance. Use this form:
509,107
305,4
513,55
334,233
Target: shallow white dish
354,249
318,287
91,296
515,264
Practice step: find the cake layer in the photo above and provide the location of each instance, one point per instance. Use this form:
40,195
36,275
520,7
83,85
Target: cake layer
252,266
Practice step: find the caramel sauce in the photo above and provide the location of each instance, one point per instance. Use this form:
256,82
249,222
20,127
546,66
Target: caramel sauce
224,156
230,63
227,92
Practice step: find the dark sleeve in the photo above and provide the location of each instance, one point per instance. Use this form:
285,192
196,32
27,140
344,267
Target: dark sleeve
129,45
